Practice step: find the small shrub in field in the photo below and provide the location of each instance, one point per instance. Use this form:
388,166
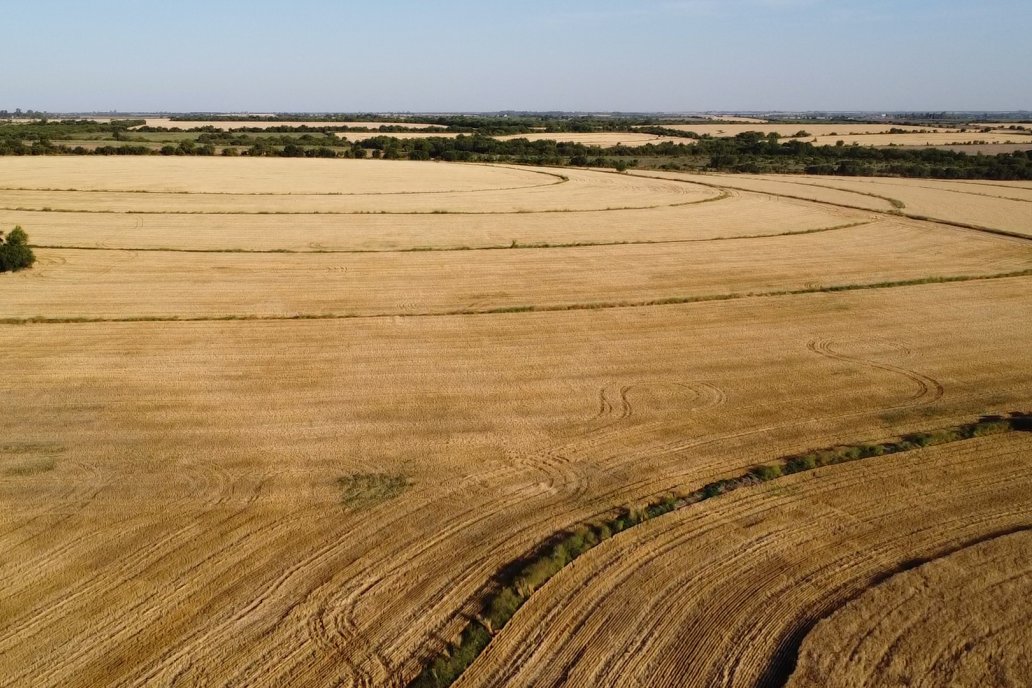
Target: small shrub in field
806,462
360,490
991,427
502,607
446,668
15,253
765,473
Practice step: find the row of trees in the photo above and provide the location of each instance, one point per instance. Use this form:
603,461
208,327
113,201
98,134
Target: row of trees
750,152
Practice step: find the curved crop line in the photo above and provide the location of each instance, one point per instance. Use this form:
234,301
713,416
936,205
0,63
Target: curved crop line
892,213
723,194
780,671
956,191
429,249
929,390
502,310
44,209
519,580
559,179
894,202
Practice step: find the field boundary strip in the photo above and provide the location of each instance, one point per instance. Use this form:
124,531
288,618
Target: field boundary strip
514,584
503,310
722,195
429,249
559,179
891,213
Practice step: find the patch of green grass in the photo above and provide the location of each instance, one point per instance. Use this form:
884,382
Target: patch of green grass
42,464
362,490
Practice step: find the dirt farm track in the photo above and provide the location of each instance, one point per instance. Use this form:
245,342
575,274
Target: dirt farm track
277,422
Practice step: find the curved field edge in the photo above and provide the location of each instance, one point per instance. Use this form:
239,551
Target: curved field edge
721,195
516,582
514,245
502,310
559,179
898,206
804,646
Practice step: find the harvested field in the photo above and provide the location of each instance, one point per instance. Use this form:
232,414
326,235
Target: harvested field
253,176
1005,206
997,205
740,214
103,284
350,187
798,187
234,436
951,622
319,502
716,594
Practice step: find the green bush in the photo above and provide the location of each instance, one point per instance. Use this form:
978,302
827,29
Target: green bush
502,607
990,427
446,668
806,462
765,473
15,253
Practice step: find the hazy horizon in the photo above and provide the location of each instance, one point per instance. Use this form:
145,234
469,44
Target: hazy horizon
461,56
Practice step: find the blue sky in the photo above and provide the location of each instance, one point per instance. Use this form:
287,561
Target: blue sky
450,55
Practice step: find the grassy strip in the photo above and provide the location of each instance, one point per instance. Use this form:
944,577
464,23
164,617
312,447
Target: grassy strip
590,306
47,209
894,202
425,249
519,580
772,193
895,212
561,180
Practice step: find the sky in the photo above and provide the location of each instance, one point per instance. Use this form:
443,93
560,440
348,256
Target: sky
460,55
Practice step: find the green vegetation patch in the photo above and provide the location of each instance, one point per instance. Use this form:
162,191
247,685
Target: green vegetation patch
15,253
43,464
362,490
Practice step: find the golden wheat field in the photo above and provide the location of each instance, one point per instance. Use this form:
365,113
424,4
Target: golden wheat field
285,422
953,621
749,571
1004,206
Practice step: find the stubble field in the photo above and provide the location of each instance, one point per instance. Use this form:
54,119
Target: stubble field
285,422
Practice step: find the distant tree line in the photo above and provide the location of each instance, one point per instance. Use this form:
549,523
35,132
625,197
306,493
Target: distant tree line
749,152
